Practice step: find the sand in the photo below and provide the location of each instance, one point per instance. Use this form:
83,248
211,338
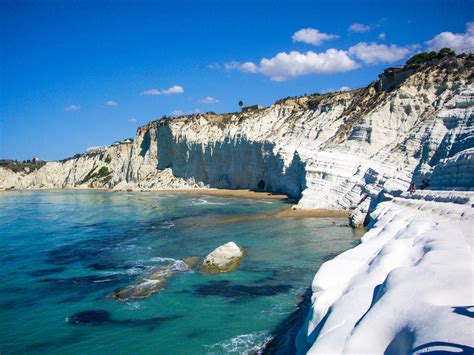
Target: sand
287,212
320,213
227,193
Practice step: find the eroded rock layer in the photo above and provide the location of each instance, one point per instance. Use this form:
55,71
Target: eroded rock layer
336,151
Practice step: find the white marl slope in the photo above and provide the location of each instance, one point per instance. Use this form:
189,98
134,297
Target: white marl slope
407,288
336,151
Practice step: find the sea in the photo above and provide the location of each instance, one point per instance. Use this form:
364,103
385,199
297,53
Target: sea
65,255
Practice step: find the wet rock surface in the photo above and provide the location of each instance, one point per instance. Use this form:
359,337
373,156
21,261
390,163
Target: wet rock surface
225,258
192,262
154,282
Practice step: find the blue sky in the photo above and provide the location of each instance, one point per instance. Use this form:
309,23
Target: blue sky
76,74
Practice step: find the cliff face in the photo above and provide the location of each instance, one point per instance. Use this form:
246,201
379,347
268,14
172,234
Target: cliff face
337,150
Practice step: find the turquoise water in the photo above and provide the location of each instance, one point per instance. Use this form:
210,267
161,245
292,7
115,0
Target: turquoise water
65,252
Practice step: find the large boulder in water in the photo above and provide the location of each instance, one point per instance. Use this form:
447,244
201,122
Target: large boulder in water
225,258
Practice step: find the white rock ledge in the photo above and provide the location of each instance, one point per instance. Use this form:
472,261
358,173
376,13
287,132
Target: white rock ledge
411,277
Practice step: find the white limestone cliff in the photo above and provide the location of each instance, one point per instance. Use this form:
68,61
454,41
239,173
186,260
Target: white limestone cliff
335,151
406,289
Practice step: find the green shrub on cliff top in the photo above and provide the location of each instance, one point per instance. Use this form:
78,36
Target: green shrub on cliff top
425,57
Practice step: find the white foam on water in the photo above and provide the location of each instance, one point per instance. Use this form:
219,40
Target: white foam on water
149,282
133,305
133,271
162,259
179,266
99,281
241,344
166,225
201,201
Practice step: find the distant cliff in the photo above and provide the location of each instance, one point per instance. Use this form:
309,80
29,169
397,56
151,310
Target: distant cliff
336,150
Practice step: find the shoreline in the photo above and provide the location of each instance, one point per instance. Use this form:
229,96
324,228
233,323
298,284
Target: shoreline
315,213
288,212
242,193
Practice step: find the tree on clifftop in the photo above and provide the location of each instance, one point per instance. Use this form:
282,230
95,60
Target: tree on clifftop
241,103
424,57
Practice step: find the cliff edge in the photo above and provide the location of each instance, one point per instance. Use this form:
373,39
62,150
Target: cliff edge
335,151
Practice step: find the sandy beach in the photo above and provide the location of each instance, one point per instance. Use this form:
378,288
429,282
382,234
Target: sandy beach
319,213
288,212
285,213
227,193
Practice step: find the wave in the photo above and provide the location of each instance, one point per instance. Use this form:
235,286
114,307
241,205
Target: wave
201,201
162,259
241,344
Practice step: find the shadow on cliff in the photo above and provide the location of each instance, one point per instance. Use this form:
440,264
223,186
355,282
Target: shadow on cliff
236,163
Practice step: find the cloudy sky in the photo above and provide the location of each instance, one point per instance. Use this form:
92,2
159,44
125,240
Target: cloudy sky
76,74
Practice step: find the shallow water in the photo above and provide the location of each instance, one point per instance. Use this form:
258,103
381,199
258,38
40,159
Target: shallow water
63,253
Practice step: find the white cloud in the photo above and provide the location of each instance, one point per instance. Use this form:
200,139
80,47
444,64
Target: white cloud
249,67
72,108
329,90
289,65
111,103
231,65
382,36
214,66
458,42
175,89
177,113
372,53
209,100
359,27
151,92
312,36
132,120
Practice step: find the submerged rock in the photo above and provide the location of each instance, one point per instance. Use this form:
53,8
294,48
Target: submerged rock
225,258
142,290
152,283
192,262
102,317
161,274
225,288
94,317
